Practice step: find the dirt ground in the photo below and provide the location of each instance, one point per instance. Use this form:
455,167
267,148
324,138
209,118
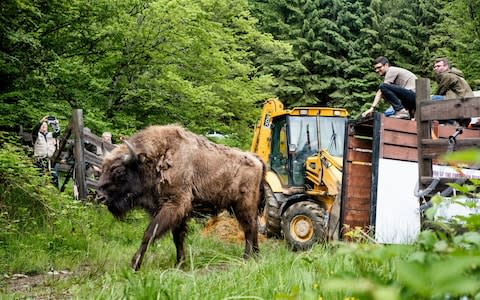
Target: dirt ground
36,286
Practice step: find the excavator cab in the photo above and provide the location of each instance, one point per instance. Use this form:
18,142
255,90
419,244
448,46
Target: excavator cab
296,138
303,151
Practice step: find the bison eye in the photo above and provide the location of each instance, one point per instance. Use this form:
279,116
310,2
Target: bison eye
118,172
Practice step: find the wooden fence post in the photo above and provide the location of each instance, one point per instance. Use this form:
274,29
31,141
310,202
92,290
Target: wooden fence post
424,129
79,154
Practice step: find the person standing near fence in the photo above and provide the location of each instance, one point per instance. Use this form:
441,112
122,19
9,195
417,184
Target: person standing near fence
45,145
106,139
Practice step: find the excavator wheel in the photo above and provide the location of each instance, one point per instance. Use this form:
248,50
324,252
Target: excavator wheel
272,214
303,225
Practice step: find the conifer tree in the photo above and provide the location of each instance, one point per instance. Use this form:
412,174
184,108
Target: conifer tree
404,28
331,39
457,36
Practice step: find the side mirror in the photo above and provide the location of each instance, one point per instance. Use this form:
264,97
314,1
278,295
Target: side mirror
292,148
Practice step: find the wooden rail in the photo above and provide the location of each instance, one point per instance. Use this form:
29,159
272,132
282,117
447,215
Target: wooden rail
432,146
82,157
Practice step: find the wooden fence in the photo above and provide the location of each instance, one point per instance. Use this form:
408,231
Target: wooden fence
433,140
82,156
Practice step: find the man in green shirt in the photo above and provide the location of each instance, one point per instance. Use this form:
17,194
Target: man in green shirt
451,84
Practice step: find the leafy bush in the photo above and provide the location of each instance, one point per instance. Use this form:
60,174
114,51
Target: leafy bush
37,221
24,196
447,261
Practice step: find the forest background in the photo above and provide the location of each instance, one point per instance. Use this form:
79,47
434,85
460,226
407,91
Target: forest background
210,64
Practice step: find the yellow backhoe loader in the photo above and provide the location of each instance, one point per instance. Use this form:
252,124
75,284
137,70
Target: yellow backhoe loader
303,149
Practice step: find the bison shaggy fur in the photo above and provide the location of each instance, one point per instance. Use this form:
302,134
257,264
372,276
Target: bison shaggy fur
173,174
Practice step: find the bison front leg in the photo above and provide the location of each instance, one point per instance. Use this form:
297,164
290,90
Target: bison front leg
149,236
168,218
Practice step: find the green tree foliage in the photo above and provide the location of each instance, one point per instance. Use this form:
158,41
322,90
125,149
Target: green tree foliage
403,29
457,36
20,39
335,42
331,40
206,64
23,197
282,19
135,63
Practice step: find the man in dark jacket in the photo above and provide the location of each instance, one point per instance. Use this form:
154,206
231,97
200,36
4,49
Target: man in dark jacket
451,83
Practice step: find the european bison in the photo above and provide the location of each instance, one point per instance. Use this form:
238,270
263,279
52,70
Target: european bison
173,174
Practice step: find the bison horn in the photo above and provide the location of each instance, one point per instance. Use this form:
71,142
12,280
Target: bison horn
132,151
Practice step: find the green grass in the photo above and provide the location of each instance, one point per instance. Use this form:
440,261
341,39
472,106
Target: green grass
97,249
89,251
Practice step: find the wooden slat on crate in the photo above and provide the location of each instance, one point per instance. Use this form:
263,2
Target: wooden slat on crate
363,130
444,131
436,148
356,218
359,142
406,126
449,109
359,156
401,139
399,153
360,204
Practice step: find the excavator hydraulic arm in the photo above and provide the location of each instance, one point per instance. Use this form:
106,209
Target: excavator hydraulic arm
262,133
324,171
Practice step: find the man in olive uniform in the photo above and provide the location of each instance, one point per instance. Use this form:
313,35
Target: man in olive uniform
451,84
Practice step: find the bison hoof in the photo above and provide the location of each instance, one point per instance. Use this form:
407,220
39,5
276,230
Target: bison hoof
179,264
136,262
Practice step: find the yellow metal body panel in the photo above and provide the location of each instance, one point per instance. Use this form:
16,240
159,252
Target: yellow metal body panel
262,132
274,182
323,170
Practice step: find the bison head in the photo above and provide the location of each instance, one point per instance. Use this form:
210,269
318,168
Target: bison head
120,183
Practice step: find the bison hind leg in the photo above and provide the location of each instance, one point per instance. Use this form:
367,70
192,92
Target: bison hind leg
179,234
248,222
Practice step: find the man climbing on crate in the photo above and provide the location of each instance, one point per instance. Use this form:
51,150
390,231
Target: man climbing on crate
398,89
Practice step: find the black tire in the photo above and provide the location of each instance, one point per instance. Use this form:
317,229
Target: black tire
303,225
272,214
